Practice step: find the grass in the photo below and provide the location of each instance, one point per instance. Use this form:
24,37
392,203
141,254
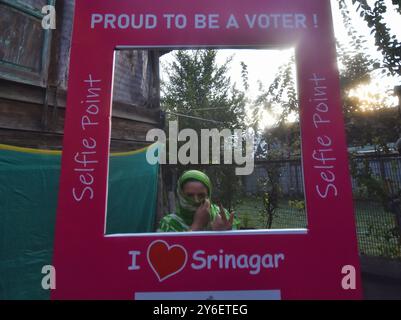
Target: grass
249,210
376,228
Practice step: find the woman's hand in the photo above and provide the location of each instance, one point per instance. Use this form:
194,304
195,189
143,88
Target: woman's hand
221,222
201,216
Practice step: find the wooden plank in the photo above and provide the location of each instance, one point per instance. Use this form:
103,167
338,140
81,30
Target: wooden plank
28,117
32,94
23,92
136,113
129,130
20,115
33,4
54,141
29,7
24,45
30,139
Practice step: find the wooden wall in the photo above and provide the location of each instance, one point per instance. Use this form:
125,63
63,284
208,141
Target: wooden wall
34,77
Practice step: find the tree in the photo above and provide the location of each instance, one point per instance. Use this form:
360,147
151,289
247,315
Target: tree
375,127
356,70
281,93
199,94
386,42
198,87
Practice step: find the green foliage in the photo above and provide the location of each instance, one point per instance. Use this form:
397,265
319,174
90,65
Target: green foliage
197,86
281,92
356,65
386,42
270,186
297,204
376,127
372,187
356,69
245,221
283,141
270,204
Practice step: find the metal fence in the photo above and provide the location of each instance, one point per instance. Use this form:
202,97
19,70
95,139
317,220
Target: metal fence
376,184
378,217
385,169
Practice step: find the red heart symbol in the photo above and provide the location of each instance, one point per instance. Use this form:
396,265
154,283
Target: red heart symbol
166,260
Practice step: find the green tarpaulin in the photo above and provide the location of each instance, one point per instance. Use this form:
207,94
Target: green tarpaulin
28,200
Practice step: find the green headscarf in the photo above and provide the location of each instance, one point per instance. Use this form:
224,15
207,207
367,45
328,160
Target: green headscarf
186,207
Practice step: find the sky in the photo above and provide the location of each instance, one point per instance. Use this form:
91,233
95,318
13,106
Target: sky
264,64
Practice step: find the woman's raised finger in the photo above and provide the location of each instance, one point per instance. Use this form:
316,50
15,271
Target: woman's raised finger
222,213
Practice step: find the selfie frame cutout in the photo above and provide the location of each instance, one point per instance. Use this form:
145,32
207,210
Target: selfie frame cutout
301,264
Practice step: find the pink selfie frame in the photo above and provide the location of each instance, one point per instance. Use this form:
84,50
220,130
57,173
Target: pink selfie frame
320,262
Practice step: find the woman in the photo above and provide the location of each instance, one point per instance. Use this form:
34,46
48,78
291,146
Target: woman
194,211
